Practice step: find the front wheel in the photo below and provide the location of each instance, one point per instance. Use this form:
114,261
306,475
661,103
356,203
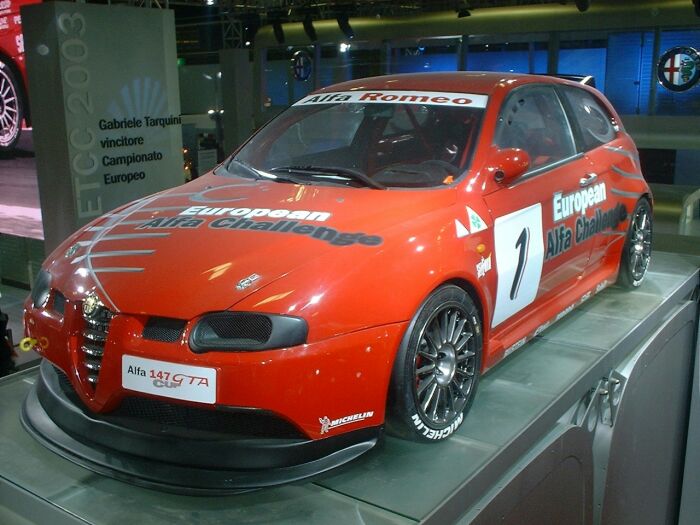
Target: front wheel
636,253
436,371
11,111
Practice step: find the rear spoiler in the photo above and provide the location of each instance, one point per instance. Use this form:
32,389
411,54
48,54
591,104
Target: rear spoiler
588,80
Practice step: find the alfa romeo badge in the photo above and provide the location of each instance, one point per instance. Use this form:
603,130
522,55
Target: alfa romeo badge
90,304
679,68
301,65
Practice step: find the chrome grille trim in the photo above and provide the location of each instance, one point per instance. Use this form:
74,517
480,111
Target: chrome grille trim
94,340
95,335
93,364
92,350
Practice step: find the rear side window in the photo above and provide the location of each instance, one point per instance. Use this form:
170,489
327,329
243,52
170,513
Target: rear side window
595,124
533,119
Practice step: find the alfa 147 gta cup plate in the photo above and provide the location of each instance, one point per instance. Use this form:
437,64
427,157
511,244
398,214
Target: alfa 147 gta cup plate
354,267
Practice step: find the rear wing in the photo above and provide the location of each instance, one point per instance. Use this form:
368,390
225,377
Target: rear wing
588,80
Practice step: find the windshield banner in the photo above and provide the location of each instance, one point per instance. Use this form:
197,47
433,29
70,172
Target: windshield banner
430,98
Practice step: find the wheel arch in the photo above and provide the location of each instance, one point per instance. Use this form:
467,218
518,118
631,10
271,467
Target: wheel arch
475,296
393,399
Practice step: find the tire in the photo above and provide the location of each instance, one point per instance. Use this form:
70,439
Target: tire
636,253
11,108
436,374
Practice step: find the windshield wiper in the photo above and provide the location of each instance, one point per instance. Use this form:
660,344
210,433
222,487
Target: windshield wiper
421,168
248,169
330,173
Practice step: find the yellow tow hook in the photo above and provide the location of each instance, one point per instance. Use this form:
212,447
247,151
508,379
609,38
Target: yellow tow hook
29,343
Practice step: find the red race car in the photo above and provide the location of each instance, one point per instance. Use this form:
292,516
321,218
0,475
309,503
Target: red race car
13,79
359,262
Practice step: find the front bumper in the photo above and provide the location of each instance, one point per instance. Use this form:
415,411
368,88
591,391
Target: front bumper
165,457
333,379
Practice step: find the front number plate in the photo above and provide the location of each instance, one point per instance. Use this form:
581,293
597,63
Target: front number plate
191,383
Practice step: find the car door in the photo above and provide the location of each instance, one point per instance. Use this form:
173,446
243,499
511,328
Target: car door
534,215
608,161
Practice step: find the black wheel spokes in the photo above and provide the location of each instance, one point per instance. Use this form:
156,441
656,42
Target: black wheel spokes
445,365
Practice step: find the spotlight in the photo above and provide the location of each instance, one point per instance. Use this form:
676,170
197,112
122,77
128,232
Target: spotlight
582,5
279,31
309,28
344,25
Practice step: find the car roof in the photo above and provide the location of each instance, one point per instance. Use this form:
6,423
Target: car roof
480,82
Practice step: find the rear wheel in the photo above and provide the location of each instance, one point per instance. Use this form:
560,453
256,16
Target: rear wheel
437,368
636,253
11,111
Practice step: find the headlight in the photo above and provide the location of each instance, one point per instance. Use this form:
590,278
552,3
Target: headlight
247,331
41,290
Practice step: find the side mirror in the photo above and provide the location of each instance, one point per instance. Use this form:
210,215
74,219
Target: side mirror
508,164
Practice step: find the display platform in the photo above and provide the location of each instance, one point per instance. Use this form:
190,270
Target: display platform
526,409
20,211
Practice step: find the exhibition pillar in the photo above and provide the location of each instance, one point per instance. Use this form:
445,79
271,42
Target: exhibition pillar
237,95
106,108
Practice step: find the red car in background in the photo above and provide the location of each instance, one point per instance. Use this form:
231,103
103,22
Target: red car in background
13,79
359,262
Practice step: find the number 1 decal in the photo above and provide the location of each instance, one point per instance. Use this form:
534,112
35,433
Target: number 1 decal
521,244
519,257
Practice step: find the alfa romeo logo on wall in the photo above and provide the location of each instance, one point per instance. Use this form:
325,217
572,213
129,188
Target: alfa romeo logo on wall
301,65
679,68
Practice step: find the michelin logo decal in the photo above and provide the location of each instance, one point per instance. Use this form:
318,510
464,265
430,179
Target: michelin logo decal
327,425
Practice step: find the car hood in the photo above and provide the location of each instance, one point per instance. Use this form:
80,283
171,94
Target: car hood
207,245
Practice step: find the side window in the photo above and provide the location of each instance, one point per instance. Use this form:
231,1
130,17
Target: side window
532,119
595,123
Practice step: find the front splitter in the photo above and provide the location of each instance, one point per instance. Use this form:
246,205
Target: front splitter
158,462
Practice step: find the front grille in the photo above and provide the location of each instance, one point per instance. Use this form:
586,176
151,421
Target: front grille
181,419
94,340
246,328
139,413
164,329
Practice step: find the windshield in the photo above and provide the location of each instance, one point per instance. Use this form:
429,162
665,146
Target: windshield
393,139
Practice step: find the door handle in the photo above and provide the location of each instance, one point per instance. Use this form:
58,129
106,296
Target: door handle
588,180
